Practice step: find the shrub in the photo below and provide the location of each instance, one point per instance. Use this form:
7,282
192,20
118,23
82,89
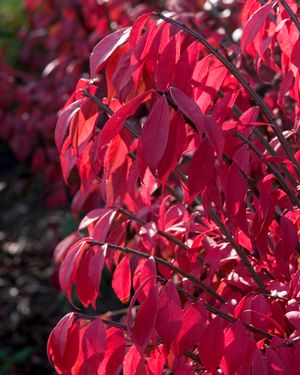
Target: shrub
185,141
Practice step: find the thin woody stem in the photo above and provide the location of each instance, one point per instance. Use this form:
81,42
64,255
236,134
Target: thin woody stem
190,296
214,310
108,110
159,260
225,315
291,14
161,232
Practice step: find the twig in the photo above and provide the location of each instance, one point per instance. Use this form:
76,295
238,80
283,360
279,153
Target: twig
175,269
225,315
108,110
291,14
161,232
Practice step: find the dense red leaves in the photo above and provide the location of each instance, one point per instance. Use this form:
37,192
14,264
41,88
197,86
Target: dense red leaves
55,44
188,179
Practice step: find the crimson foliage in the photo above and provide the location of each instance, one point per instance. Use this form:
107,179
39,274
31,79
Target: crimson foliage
185,139
55,48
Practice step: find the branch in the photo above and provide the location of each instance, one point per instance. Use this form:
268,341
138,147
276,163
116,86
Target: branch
291,14
225,315
161,232
175,269
108,110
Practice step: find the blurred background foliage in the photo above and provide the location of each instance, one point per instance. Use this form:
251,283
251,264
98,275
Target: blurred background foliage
12,19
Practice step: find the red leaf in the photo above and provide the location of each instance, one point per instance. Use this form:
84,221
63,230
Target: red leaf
175,146
188,107
193,320
115,124
144,276
169,314
105,48
63,122
156,360
274,364
295,56
235,350
211,346
134,363
258,365
249,116
114,354
155,133
83,290
63,344
223,107
294,318
64,245
201,169
216,75
254,24
69,266
93,345
102,227
144,324
165,67
83,125
185,67
121,281
67,159
236,185
288,234
93,216
203,123
95,271
137,28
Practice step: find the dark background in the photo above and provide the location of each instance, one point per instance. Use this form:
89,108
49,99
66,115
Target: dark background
30,301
